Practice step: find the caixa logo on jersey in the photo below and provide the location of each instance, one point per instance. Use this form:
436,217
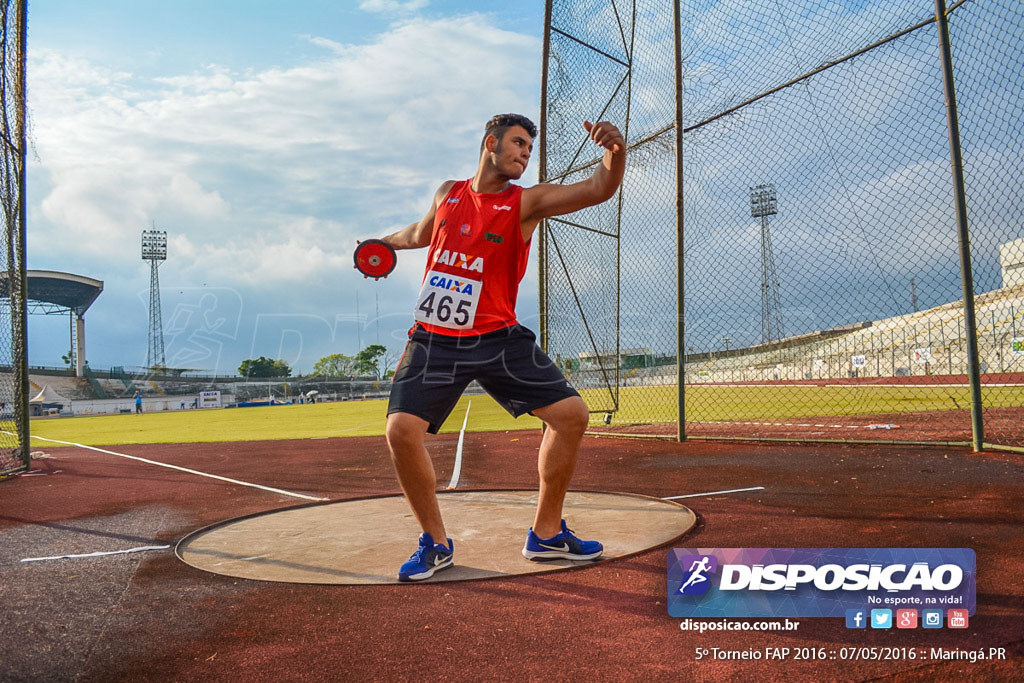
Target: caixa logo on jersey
816,582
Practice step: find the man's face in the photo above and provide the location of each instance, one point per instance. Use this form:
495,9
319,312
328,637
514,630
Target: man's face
511,154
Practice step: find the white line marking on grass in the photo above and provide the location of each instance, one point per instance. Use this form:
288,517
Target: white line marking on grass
99,554
183,469
457,469
713,493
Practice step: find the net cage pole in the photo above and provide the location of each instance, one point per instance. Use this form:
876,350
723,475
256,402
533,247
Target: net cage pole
962,226
21,314
542,260
680,260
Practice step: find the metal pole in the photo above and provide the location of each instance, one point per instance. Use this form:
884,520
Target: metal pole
542,242
71,342
680,286
963,234
20,314
618,223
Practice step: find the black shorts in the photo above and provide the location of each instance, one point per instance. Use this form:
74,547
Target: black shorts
435,369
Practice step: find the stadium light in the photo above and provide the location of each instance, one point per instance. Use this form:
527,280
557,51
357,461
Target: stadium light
763,201
154,250
154,245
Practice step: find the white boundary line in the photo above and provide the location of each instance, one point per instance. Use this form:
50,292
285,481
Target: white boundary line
801,424
183,469
457,469
713,493
98,554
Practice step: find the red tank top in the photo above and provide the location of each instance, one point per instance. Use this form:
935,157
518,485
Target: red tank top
476,260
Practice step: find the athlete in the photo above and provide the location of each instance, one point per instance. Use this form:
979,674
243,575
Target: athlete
479,232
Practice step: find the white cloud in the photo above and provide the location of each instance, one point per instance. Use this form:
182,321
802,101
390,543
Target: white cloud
392,6
264,179
373,119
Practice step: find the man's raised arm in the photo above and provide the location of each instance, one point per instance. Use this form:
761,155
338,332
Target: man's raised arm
418,234
546,200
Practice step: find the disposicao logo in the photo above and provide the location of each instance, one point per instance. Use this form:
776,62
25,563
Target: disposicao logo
817,582
696,581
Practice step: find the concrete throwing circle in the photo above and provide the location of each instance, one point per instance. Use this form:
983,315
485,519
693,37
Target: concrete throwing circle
365,541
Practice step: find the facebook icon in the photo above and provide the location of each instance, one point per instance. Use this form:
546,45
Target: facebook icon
856,618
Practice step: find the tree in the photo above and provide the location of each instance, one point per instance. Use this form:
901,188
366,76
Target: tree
334,365
264,367
367,360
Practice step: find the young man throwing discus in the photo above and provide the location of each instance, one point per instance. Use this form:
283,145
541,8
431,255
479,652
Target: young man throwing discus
479,232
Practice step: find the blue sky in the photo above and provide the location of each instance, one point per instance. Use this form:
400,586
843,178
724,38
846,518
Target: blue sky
266,138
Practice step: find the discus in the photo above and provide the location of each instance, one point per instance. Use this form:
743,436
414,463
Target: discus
374,258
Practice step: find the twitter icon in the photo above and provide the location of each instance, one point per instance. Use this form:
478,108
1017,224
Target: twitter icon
881,618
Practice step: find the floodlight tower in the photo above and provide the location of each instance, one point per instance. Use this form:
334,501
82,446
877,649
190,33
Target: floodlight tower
764,203
154,250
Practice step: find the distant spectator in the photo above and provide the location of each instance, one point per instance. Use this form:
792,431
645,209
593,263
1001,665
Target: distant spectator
138,403
183,405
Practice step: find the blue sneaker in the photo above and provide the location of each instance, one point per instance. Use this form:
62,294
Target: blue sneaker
428,558
562,545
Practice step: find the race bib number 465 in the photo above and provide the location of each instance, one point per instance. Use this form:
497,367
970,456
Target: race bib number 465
448,301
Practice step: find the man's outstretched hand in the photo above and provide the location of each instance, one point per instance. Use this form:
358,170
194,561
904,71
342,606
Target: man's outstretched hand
606,135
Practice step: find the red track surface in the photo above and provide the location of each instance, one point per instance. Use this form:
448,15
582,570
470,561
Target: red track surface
149,616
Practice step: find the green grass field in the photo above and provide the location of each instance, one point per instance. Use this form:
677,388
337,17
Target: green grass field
638,405
349,418
717,403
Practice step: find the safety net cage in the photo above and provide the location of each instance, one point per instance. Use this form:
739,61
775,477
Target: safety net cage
14,452
835,248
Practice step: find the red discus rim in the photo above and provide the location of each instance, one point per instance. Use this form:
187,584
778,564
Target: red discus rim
375,258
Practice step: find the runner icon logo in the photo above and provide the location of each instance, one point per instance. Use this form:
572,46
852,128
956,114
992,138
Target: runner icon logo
695,581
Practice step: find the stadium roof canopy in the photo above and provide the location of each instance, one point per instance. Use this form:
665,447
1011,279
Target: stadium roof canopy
50,291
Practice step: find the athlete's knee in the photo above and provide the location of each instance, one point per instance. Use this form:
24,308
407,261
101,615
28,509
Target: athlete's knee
404,433
569,416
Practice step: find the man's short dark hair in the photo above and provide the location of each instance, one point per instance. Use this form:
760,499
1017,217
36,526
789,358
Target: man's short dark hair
500,123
